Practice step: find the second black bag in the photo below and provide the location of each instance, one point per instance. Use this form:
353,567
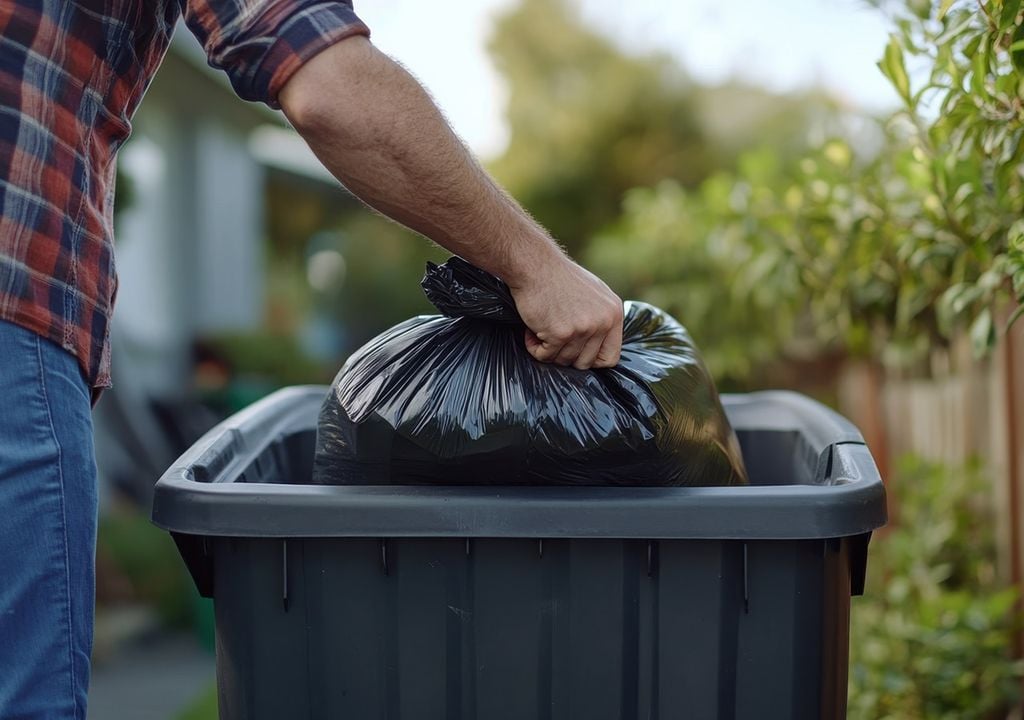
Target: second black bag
456,399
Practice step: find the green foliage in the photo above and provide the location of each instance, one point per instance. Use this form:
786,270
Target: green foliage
781,257
148,560
377,286
589,121
894,252
931,638
971,152
267,359
385,263
677,251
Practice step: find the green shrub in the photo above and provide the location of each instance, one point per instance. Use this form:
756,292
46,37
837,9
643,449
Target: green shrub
932,637
886,252
147,558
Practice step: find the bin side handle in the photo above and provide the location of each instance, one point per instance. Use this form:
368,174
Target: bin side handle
858,562
196,554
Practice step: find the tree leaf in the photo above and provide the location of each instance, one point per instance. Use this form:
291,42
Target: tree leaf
1017,314
1018,55
982,333
894,68
1011,8
972,46
955,29
979,72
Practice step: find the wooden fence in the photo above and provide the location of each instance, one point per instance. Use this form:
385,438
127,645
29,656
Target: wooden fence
962,408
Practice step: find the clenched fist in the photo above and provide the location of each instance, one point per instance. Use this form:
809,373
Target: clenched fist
572,317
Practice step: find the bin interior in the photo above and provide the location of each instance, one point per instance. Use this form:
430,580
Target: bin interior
772,457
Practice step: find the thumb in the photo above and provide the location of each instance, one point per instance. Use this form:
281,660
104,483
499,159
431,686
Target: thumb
537,348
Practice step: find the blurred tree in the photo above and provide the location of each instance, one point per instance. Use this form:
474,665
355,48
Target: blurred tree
385,263
738,117
890,254
376,286
587,121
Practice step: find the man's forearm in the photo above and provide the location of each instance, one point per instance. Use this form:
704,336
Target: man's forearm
379,133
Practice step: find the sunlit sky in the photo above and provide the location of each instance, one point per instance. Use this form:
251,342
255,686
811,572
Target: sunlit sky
779,44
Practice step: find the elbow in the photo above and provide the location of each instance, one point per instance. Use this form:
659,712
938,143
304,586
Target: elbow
306,111
324,96
307,106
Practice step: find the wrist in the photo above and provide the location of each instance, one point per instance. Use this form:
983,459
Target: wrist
530,258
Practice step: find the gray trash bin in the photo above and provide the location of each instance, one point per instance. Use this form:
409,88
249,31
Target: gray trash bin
541,602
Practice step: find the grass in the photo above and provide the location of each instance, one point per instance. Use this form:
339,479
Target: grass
203,708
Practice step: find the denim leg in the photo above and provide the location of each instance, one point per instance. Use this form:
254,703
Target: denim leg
47,530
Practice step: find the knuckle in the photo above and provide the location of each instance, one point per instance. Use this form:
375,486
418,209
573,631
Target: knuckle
563,333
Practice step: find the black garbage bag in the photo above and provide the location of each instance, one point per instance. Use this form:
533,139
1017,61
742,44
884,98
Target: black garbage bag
456,399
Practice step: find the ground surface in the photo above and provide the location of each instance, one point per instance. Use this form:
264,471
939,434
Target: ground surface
153,677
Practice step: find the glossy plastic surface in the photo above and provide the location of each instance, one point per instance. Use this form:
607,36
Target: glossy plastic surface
456,399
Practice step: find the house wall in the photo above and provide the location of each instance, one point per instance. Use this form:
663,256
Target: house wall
228,258
190,244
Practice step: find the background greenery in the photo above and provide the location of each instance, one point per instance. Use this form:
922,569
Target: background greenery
931,638
885,253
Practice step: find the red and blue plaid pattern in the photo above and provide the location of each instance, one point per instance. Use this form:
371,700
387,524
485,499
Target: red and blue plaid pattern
72,73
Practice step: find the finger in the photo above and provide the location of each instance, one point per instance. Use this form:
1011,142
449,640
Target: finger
571,350
611,348
540,350
585,360
532,341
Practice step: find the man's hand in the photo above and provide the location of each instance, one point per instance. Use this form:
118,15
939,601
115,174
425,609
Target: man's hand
572,317
379,133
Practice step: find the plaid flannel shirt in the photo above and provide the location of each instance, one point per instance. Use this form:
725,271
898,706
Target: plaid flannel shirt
72,73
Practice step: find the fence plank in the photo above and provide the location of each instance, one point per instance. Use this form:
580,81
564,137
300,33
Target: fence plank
963,411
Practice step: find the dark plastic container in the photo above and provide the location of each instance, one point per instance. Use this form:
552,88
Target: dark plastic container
479,603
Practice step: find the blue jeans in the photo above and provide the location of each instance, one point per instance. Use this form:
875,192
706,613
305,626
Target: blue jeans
47,529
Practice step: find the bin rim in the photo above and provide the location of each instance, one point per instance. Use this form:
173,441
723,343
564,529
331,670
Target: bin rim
198,494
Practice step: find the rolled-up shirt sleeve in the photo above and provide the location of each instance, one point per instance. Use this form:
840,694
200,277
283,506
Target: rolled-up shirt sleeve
261,43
